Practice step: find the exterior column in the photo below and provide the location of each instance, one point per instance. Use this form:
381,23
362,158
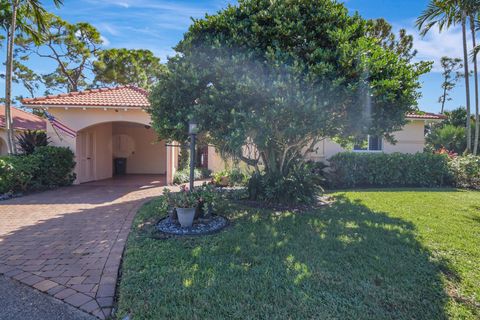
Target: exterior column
172,161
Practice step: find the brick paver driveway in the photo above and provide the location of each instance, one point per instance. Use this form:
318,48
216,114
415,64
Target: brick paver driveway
69,242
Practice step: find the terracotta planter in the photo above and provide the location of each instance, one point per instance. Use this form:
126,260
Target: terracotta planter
185,216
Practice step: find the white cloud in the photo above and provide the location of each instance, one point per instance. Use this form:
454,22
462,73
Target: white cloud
107,27
123,4
119,3
106,42
435,45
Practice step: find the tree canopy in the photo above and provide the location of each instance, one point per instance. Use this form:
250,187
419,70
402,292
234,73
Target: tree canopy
279,75
71,46
127,66
80,60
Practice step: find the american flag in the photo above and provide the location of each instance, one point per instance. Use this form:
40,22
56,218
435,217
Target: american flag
60,126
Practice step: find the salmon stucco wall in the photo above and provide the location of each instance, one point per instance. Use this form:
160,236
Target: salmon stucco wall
411,139
3,142
78,119
148,155
103,151
215,161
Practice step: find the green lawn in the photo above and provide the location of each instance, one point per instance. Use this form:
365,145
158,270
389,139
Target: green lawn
374,254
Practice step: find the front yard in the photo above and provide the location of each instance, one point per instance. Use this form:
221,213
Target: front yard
373,254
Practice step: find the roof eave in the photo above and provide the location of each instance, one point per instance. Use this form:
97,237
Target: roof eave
425,119
67,106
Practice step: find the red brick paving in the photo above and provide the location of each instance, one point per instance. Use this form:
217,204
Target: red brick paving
69,242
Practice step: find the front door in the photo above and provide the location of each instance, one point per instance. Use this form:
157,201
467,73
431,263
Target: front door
86,157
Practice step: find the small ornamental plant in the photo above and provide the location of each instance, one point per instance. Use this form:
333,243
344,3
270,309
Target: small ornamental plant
207,198
207,194
450,154
182,199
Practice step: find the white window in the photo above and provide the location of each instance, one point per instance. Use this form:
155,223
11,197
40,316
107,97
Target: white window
373,143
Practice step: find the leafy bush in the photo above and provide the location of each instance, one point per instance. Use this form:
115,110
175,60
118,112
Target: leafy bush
183,176
46,167
29,140
350,169
230,177
57,164
449,137
17,173
466,171
301,185
206,173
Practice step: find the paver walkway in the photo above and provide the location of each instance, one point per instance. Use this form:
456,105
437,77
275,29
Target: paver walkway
69,242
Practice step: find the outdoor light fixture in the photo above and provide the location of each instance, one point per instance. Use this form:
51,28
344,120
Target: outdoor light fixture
192,127
192,131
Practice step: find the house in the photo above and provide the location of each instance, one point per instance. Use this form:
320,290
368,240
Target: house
110,123
411,139
21,121
112,126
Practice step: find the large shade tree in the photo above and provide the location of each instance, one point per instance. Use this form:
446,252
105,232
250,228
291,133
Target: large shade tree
278,76
71,47
19,16
127,66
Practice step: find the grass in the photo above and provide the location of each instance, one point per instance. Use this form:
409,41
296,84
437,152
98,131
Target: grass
374,254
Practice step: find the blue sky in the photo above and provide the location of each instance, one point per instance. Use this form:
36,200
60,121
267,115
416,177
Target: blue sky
158,25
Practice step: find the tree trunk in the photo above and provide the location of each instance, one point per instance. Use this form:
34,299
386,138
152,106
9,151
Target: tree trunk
8,80
468,130
475,77
443,99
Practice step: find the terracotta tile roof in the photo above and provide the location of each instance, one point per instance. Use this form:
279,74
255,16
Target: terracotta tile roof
22,120
425,116
122,96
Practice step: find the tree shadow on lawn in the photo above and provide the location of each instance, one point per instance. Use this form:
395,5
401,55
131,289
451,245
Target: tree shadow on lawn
387,189
344,261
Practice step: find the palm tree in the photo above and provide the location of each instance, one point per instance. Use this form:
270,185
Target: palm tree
22,12
475,78
444,14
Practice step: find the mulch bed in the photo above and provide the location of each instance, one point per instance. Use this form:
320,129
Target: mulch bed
200,227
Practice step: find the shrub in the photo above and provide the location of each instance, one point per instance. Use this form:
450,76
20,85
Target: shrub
46,167
230,177
302,185
466,171
17,173
183,176
29,140
350,169
57,164
206,173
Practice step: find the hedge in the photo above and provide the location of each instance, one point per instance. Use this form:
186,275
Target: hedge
352,169
46,168
466,171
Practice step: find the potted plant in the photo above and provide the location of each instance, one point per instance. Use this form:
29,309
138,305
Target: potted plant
184,203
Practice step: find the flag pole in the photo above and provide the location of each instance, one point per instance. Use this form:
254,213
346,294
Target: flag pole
51,124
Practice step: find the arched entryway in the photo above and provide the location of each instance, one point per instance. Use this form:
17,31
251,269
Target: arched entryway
118,148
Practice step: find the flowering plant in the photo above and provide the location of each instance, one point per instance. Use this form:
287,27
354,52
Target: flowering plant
206,193
444,150
182,199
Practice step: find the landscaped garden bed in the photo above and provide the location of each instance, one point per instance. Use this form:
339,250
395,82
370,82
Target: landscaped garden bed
46,167
375,254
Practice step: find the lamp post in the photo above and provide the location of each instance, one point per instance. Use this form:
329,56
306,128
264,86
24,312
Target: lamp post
192,131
